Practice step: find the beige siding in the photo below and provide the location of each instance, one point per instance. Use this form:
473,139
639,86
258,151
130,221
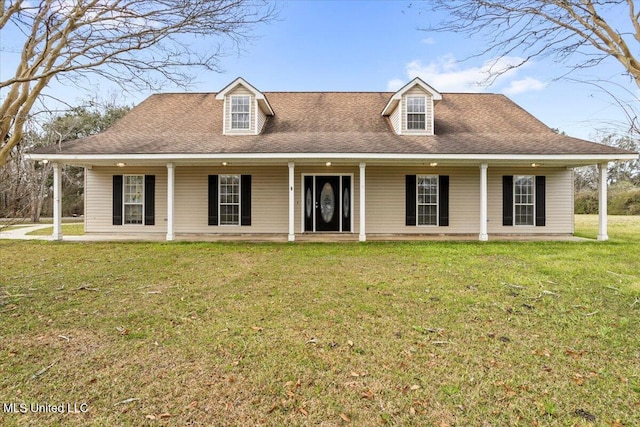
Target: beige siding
385,199
559,201
262,117
418,91
240,90
269,199
99,200
395,119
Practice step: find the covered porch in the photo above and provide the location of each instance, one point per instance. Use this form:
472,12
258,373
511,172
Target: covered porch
364,202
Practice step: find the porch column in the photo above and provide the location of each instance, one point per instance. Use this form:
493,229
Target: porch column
57,202
170,198
483,237
363,235
602,202
292,231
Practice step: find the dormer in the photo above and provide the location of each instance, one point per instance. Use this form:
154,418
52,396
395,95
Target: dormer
410,109
245,108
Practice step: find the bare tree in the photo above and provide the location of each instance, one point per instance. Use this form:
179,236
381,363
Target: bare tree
135,43
580,33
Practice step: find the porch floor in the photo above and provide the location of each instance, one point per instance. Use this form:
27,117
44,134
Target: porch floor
306,237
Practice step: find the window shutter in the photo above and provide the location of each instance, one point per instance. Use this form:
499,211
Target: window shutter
507,200
443,200
410,200
540,201
149,199
117,199
245,202
213,199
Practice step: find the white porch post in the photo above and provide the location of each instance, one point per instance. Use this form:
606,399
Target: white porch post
170,200
292,232
483,237
602,202
57,202
363,235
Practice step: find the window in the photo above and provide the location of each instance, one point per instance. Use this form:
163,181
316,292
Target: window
241,112
229,199
133,199
427,193
523,200
416,115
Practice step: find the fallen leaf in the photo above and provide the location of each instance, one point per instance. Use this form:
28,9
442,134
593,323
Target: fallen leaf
355,374
193,404
350,343
345,418
150,417
257,328
415,387
412,410
164,416
304,412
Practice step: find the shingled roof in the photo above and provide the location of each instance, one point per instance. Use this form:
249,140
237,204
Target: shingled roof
329,122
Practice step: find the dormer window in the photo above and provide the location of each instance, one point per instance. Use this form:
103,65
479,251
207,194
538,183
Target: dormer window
240,112
416,113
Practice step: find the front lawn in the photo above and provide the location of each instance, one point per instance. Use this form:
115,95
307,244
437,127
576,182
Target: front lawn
417,333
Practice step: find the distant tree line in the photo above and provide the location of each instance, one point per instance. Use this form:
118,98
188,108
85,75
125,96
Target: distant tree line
26,186
624,182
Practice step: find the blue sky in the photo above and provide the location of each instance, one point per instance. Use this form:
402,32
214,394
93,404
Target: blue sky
377,46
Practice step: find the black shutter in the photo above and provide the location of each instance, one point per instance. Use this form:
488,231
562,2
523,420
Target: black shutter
245,202
443,200
149,199
117,199
213,199
540,201
507,200
410,200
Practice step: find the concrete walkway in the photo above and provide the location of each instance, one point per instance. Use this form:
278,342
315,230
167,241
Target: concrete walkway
20,232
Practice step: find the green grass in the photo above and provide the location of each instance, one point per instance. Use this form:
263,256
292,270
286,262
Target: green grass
67,229
415,333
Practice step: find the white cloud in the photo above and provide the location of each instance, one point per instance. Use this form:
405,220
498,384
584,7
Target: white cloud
395,84
428,41
446,74
527,84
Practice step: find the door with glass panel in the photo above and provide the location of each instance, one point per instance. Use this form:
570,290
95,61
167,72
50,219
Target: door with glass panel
327,203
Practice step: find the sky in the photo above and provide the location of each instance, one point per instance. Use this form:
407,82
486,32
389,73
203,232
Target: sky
379,46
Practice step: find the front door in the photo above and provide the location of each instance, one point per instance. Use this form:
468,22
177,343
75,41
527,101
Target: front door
328,203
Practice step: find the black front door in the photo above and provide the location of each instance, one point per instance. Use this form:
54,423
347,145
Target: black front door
328,203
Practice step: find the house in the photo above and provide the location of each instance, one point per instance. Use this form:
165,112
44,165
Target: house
416,162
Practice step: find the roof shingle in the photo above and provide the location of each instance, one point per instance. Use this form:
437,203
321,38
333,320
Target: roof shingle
329,122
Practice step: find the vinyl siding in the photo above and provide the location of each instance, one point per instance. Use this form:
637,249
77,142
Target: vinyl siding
395,120
99,200
559,197
418,91
385,199
262,117
269,199
240,90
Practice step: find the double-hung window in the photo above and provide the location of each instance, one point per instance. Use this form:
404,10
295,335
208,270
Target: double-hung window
229,199
416,113
240,112
427,193
524,200
133,199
